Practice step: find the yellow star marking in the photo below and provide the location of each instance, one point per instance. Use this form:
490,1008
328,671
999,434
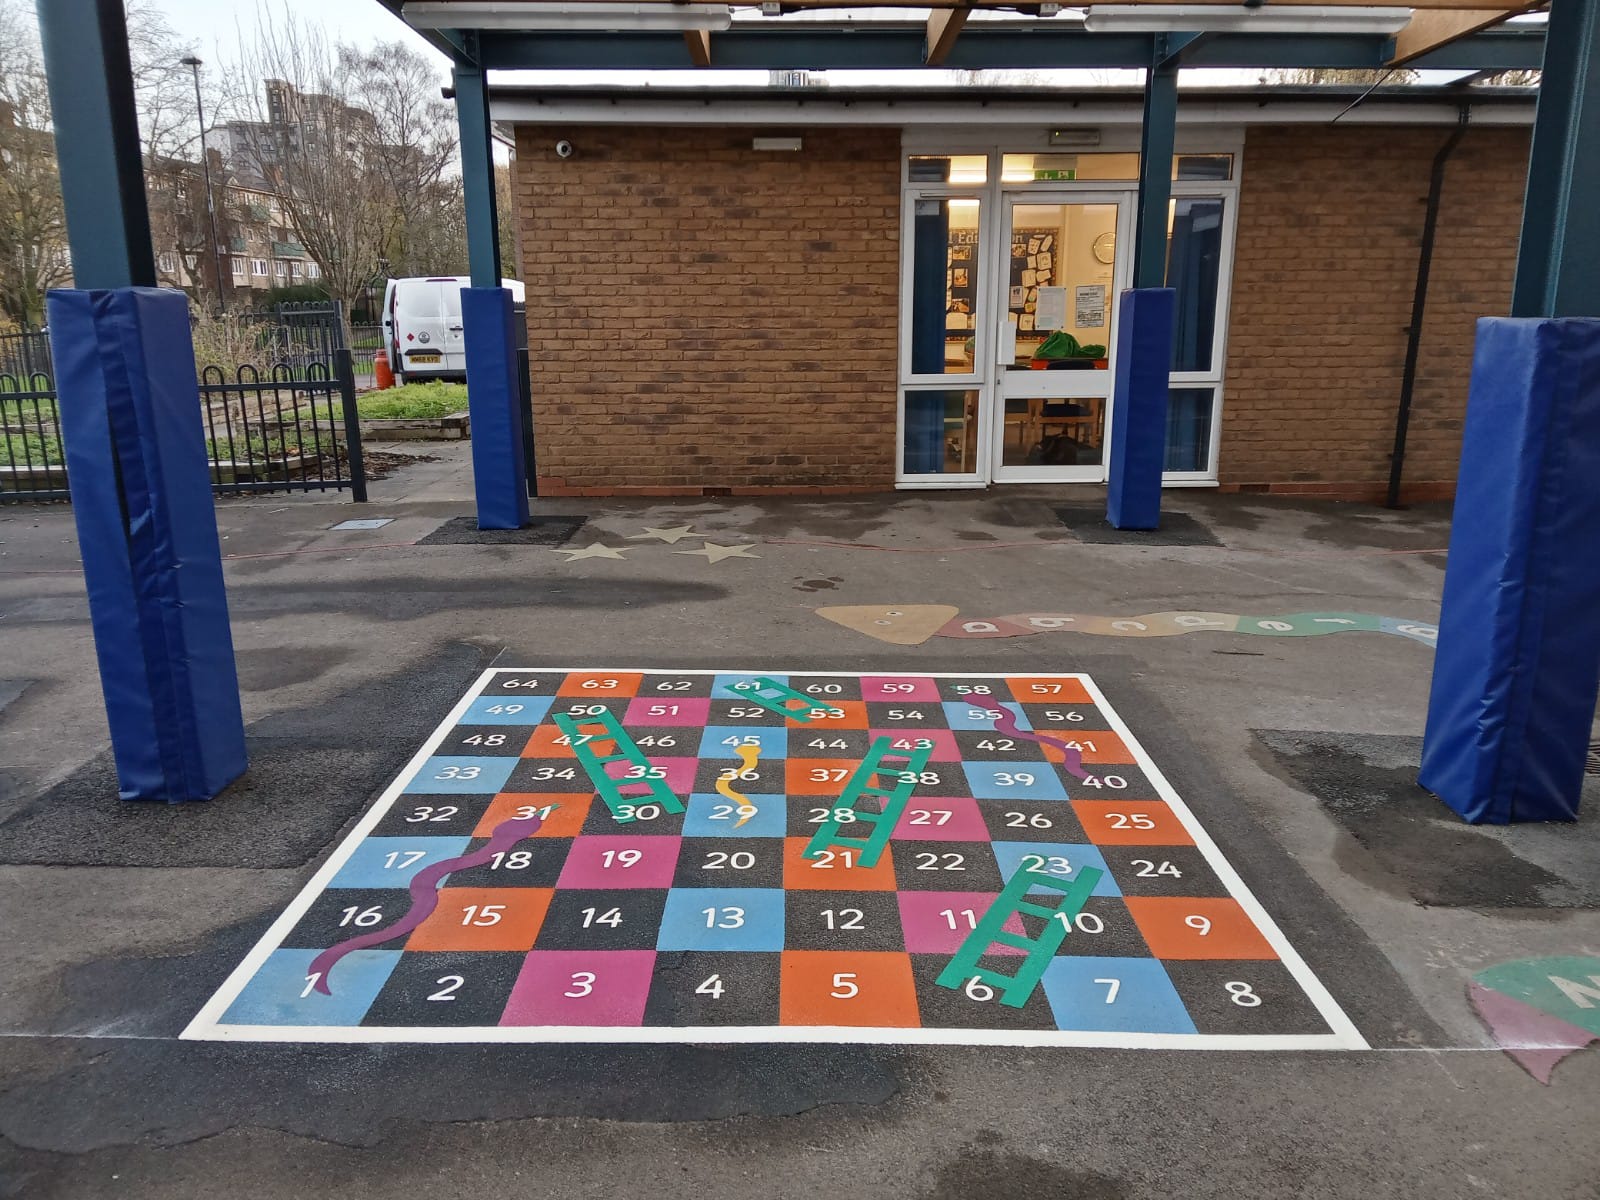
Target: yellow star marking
673,535
748,756
715,553
595,551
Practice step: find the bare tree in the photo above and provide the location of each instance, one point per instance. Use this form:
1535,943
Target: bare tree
33,230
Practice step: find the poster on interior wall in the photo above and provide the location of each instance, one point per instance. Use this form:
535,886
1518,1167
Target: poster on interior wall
1019,297
1051,311
1091,305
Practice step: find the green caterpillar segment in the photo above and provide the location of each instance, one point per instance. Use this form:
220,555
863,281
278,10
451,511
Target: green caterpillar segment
584,733
1015,989
880,760
776,697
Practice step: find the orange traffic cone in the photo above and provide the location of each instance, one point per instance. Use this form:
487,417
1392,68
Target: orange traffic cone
381,371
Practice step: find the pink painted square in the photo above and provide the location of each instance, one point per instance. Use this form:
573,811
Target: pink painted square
606,861
941,819
581,987
938,922
898,687
679,776
668,710
905,741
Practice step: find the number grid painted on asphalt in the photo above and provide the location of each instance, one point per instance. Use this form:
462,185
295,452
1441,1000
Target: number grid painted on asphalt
626,921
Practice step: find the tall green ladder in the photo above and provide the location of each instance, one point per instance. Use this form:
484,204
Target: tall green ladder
879,761
1015,989
583,732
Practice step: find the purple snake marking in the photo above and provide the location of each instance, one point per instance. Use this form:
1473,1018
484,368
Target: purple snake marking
424,888
1007,723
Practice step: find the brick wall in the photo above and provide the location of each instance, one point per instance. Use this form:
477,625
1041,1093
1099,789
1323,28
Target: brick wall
704,317
1330,221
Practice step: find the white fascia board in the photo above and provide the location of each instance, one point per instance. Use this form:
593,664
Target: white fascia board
554,109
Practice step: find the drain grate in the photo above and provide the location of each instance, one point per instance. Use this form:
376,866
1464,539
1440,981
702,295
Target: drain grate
1177,529
1592,767
539,531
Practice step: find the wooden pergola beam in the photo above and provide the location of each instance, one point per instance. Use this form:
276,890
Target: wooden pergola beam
944,26
699,43
1430,30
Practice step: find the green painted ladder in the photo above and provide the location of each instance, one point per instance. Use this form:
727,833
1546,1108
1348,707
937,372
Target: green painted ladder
627,751
1015,989
870,848
775,697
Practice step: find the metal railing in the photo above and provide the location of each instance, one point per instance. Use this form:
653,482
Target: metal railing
24,355
293,428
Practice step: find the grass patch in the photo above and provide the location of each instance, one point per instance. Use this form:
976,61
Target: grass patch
30,449
416,401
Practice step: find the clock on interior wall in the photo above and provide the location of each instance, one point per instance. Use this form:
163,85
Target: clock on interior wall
1105,248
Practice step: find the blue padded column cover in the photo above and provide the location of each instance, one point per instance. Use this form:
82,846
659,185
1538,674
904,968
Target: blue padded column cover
1139,407
1518,665
494,401
147,531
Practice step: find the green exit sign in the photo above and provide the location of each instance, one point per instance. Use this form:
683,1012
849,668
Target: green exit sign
1054,175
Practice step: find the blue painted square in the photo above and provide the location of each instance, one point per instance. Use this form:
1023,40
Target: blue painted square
773,741
974,713
722,687
758,911
390,862
1010,855
459,773
1144,1002
713,815
507,710
273,995
1014,781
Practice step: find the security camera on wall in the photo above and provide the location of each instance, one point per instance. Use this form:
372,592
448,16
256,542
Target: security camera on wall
564,149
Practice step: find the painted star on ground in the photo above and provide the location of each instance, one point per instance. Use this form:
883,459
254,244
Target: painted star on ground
595,551
715,553
673,535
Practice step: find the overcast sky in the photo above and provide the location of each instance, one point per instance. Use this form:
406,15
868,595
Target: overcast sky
215,24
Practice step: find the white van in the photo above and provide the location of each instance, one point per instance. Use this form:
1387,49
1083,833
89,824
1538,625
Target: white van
422,326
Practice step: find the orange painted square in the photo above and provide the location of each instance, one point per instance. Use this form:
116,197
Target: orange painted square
1130,822
1048,689
1163,921
546,743
572,809
884,993
797,779
852,714
1108,747
627,684
805,874
520,912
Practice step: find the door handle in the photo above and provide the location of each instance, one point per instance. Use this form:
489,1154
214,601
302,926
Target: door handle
455,328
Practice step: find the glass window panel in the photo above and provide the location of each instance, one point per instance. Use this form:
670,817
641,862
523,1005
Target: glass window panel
944,285
1049,432
1063,260
941,433
1202,166
1058,168
1189,428
949,168
1194,267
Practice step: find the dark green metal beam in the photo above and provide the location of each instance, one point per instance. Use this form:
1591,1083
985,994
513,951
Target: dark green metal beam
1560,248
1158,134
1038,47
477,176
97,142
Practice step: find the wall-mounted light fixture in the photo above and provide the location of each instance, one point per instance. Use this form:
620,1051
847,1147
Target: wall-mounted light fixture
776,143
1207,18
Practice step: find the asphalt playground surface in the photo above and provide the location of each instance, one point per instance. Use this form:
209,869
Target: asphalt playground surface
1298,755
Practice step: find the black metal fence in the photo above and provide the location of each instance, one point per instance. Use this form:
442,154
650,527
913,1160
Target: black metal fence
24,355
293,428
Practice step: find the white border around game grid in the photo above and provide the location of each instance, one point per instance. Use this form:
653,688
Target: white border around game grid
1343,1035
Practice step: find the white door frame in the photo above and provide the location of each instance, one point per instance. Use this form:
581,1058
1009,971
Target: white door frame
1005,383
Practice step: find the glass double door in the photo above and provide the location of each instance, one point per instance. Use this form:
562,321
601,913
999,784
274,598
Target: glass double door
1062,258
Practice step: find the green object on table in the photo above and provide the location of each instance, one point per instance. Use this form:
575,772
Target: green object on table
1059,344
1092,350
